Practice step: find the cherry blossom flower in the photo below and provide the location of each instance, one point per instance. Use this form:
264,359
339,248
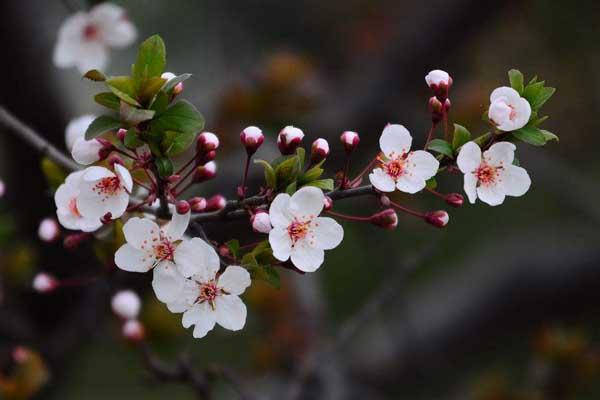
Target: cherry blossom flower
76,129
493,176
208,299
400,168
84,37
298,231
86,152
102,191
67,209
508,110
126,304
150,246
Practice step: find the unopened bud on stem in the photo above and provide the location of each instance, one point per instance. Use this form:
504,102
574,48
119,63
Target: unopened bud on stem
437,218
436,108
205,172
133,331
44,283
207,142
49,231
387,219
261,222
350,141
319,150
215,203
182,207
126,304
439,82
289,139
197,204
455,200
252,138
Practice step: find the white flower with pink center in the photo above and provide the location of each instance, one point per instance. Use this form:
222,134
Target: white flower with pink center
298,231
399,168
102,191
150,246
508,110
208,298
493,176
84,37
66,206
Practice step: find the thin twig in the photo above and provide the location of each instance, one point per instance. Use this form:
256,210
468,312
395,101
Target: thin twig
20,129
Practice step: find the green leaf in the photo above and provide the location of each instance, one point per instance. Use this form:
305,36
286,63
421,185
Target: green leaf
171,83
548,136
234,248
131,139
534,121
160,103
270,177
542,97
291,188
176,142
149,89
123,87
102,125
151,60
95,75
516,80
133,116
531,135
164,166
532,91
109,100
287,171
180,117
441,146
312,174
431,183
460,137
301,153
325,184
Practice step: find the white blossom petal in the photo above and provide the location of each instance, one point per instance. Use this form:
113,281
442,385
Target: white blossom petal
69,40
328,234
95,173
141,232
307,201
279,211
422,164
167,282
500,154
410,183
117,204
76,129
128,258
91,55
86,152
516,180
306,258
234,280
124,177
117,30
508,93
195,257
470,187
395,139
491,194
469,158
201,315
177,226
382,181
281,243
230,312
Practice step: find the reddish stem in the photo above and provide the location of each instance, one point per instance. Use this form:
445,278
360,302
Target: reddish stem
348,217
364,171
187,164
407,210
430,135
245,177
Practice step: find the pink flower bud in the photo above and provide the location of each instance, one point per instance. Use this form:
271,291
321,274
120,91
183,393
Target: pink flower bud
174,178
207,142
121,133
133,331
205,172
49,231
437,218
384,200
261,222
327,203
252,138
319,150
350,141
73,240
106,218
215,203
289,139
126,304
387,219
440,82
44,283
447,105
21,354
455,200
197,204
182,207
224,251
168,76
2,188
203,158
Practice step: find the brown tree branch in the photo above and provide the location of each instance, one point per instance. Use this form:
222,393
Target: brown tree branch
20,129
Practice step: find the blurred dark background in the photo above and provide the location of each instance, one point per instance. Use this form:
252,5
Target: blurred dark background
500,305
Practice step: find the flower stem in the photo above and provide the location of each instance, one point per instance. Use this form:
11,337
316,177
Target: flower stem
407,210
446,132
242,193
187,164
348,217
430,134
364,171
